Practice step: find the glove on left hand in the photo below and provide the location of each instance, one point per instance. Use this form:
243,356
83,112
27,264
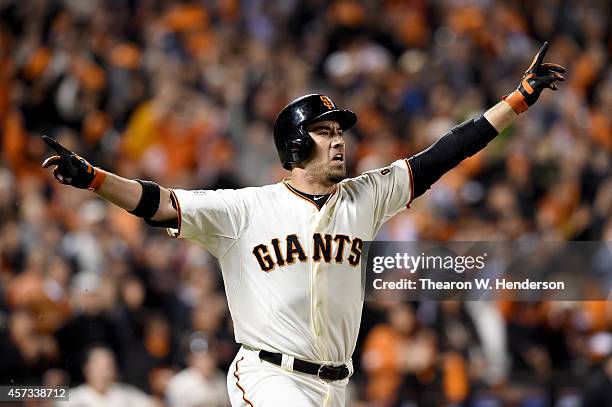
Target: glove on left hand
72,169
537,77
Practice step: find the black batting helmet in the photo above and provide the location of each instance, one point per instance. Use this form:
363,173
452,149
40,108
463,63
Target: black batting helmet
293,142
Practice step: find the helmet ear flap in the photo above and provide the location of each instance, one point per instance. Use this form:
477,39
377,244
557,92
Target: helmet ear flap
294,148
298,147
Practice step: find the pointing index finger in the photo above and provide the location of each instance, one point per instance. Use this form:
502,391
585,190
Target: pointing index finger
61,150
537,61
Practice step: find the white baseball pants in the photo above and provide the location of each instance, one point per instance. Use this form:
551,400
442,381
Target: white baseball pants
252,382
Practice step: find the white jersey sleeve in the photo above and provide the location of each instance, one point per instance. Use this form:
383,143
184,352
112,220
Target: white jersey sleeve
215,219
390,190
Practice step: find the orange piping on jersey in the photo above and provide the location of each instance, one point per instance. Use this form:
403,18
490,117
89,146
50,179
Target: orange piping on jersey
178,208
239,386
294,191
411,183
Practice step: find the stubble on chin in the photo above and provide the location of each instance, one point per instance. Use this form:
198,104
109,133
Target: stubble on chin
324,171
336,176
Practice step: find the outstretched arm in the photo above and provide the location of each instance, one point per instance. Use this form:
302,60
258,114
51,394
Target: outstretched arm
471,136
500,116
145,199
126,194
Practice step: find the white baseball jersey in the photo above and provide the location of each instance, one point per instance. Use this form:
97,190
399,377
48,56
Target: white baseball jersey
291,271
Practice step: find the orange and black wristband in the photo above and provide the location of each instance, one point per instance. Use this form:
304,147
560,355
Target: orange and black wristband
517,102
98,180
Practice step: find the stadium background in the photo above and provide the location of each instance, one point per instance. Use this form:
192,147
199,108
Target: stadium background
185,92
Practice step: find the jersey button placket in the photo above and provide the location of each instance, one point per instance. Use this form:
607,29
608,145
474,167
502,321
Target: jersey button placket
319,286
315,292
315,296
318,292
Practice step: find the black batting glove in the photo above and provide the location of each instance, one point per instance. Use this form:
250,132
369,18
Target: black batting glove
72,169
537,77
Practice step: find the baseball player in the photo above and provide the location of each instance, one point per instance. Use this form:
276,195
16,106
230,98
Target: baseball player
290,252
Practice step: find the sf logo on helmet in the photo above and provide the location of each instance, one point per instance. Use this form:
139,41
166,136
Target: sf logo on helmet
327,102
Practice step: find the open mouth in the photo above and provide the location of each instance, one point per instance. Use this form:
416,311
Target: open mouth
338,158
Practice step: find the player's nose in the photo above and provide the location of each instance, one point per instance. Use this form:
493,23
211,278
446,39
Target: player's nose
337,141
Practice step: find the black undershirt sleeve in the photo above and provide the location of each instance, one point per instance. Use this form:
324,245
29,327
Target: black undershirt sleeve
463,141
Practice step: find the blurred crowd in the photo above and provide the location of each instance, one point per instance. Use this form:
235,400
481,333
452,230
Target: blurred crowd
185,93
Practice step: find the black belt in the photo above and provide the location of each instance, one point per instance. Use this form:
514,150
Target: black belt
324,372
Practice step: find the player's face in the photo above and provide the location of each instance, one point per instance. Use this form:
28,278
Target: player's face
327,161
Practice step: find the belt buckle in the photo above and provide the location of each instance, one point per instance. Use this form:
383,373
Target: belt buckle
319,374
